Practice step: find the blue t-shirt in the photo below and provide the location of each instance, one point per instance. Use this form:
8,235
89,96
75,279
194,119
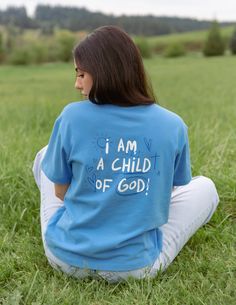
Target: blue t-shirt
121,164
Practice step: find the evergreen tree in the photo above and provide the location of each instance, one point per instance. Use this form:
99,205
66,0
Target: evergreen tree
214,44
1,48
233,43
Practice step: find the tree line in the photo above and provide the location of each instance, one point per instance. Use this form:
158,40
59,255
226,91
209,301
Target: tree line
47,18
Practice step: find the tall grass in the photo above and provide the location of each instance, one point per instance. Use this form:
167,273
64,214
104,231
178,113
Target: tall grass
203,92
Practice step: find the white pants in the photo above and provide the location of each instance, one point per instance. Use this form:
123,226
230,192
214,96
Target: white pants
191,207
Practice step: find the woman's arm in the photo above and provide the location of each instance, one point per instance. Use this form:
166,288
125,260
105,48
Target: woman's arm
60,190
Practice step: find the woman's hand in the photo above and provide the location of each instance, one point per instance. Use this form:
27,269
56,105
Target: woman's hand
60,190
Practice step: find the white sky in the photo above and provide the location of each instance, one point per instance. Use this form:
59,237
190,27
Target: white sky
222,10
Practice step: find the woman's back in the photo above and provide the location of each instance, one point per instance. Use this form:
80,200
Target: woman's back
122,163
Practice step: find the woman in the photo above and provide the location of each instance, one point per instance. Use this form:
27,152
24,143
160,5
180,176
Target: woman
117,196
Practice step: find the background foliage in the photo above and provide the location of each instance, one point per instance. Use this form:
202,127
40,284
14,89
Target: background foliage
35,46
47,17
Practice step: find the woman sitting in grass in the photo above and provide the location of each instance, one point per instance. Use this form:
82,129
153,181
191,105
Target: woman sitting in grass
117,196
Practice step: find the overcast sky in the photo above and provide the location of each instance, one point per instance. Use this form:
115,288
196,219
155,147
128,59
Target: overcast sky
222,10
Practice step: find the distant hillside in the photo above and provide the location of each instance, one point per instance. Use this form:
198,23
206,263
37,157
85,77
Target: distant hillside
192,36
79,19
192,41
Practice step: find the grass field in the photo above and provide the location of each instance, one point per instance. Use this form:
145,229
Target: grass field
200,90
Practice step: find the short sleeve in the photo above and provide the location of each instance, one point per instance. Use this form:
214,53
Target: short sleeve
56,164
182,170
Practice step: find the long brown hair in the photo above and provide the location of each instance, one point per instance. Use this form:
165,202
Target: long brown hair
110,56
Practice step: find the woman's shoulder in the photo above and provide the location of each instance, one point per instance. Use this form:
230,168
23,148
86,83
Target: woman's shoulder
76,106
75,109
167,115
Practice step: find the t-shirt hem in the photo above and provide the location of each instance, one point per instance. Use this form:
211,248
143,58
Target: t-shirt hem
101,266
53,179
182,182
